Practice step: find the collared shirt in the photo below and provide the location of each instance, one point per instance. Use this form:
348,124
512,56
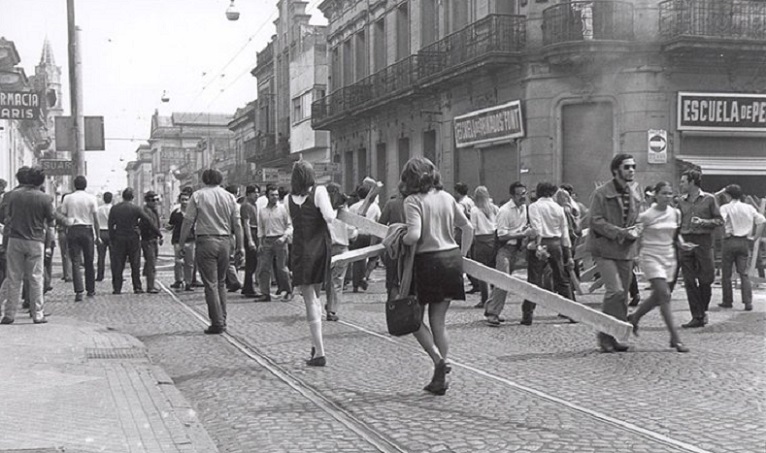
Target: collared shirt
511,219
80,206
213,211
274,221
102,213
739,218
703,206
549,220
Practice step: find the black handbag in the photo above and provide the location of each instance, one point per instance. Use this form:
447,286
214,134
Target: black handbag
404,314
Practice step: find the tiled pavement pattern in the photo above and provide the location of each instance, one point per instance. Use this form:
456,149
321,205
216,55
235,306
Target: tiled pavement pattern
708,400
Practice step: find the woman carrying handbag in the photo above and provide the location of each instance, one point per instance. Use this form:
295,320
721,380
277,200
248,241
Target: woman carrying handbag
431,215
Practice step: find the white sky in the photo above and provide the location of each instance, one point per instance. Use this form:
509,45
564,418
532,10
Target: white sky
133,50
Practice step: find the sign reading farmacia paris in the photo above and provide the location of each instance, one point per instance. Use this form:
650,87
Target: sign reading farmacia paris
18,105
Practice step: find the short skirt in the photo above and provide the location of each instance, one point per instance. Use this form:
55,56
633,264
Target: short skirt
657,263
438,276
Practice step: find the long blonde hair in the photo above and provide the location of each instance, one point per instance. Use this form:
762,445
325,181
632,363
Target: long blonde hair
483,202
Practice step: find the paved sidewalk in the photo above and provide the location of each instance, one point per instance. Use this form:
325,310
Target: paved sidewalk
78,387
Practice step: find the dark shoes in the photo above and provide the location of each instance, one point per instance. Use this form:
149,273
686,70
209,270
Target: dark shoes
288,297
492,321
234,288
694,324
725,305
177,285
188,287
526,319
438,384
679,347
91,294
748,307
138,291
633,321
620,347
214,330
78,297
6,320
116,292
332,316
634,301
153,291
608,344
316,361
262,298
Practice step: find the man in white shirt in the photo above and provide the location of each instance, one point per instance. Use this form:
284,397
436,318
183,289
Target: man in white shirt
274,231
553,246
739,219
82,207
103,222
512,229
342,235
359,268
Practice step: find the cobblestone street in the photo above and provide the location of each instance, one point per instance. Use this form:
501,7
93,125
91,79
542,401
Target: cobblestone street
513,388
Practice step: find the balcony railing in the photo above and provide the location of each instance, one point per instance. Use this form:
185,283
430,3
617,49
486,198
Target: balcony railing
588,21
720,19
270,149
494,34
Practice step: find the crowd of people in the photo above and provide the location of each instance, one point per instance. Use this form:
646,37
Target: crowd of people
288,239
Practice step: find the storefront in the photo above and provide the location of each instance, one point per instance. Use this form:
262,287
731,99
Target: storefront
486,144
725,135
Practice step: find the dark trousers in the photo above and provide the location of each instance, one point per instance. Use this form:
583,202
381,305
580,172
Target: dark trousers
81,241
103,248
698,268
359,268
559,273
212,256
150,249
484,253
66,263
735,254
126,247
251,264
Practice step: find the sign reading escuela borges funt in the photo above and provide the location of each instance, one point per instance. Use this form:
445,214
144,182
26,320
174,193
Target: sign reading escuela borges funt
17,105
490,125
721,112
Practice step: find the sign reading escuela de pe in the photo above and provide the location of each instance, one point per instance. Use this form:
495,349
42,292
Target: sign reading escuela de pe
17,105
490,125
721,112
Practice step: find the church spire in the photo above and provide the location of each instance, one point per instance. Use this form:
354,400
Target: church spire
47,56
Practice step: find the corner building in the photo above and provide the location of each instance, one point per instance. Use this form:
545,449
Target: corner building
495,91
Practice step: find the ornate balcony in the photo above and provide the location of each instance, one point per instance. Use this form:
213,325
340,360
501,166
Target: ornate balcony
705,29
493,40
270,151
581,31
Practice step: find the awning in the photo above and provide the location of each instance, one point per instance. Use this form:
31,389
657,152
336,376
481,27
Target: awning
754,166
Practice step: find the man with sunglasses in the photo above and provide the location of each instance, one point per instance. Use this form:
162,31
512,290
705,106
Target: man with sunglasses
612,240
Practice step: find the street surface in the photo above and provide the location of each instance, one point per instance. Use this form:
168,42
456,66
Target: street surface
514,388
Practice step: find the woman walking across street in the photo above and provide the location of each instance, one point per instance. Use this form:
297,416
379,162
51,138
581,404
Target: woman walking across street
311,213
659,226
431,216
484,222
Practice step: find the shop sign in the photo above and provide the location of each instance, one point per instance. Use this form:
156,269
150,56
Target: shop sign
17,105
657,143
491,125
57,167
721,112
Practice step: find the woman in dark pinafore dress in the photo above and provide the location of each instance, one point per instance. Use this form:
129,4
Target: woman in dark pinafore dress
311,212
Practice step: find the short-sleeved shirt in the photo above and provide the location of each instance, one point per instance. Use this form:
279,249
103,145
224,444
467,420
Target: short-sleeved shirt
29,212
249,213
740,218
176,221
511,219
80,206
436,214
103,216
705,207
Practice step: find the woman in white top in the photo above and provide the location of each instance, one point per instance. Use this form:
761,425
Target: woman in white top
658,260
431,215
484,222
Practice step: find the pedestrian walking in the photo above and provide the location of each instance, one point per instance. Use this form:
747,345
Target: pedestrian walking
28,212
232,279
484,221
742,224
183,253
553,247
311,213
104,247
249,213
66,262
82,236
612,240
431,216
341,235
465,202
700,216
124,218
214,214
150,240
393,212
512,232
274,231
359,268
659,226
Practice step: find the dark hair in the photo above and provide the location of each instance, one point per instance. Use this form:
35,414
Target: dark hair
183,194
36,176
282,192
617,161
362,191
212,177
271,187
3,183
337,197
420,175
734,191
127,194
461,188
187,190
302,178
514,186
568,187
546,189
21,175
694,176
249,190
659,186
107,197
80,183
232,189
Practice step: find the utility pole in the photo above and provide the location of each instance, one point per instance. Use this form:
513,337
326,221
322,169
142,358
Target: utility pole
75,92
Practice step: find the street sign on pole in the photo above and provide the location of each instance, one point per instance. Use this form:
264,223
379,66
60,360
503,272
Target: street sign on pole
94,133
657,144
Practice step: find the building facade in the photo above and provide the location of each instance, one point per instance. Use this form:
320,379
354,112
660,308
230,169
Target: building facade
495,91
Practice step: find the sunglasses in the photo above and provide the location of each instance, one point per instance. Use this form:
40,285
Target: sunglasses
629,167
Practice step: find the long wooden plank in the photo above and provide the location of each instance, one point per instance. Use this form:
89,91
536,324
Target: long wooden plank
586,315
357,255
364,224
